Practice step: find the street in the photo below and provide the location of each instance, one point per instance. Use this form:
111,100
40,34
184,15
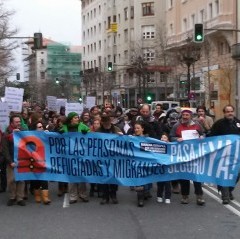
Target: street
124,220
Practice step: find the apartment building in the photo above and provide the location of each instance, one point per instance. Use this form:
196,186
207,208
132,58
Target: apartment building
125,33
212,70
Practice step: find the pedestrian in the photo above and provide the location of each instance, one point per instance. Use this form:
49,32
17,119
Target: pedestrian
184,124
3,167
40,187
16,188
109,190
164,187
229,124
203,119
141,190
72,124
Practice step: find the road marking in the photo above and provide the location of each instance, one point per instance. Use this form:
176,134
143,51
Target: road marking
228,206
66,200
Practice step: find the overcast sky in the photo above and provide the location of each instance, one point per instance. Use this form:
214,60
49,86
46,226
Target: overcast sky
59,20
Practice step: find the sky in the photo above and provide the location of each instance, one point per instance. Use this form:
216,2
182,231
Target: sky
58,20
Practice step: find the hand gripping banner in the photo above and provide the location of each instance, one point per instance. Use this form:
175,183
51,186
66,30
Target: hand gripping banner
124,160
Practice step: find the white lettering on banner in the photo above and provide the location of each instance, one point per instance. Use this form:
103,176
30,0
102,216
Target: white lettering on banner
224,162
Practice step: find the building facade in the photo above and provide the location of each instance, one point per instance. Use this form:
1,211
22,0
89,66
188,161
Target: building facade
126,33
53,70
212,80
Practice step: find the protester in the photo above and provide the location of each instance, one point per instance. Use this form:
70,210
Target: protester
164,187
72,124
3,167
229,124
40,187
143,189
16,188
184,124
109,190
204,120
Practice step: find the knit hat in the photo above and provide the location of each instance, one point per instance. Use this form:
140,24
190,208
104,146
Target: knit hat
186,110
71,115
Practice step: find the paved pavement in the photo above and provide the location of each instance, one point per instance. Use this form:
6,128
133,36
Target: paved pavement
125,220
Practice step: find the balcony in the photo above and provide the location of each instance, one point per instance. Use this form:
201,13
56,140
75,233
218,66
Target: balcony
236,51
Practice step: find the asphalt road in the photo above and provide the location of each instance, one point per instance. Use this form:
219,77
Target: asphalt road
124,220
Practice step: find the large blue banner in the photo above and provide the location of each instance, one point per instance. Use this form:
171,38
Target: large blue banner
124,160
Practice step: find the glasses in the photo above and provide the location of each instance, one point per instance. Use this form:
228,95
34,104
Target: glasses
39,127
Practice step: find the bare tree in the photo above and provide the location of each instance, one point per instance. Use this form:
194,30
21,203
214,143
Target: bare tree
6,45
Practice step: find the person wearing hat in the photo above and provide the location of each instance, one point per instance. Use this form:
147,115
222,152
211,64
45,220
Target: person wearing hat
109,191
176,134
73,125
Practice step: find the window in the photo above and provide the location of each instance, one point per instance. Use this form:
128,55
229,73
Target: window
170,4
148,32
126,13
170,29
217,7
196,83
193,19
148,9
185,24
126,55
148,55
126,35
132,12
202,16
210,11
42,75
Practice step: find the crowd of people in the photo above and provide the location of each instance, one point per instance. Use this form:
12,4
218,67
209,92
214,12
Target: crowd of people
166,126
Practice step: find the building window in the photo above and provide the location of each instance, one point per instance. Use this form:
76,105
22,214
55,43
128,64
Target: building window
126,35
202,16
171,29
170,4
217,7
126,13
193,19
132,12
148,32
42,75
148,9
148,55
210,11
185,24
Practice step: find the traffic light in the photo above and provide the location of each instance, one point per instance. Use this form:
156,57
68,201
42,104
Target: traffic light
110,67
18,76
38,41
149,98
198,32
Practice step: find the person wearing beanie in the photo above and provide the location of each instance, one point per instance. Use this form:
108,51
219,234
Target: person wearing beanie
176,134
73,125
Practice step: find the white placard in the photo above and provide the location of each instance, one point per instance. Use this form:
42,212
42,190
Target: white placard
52,103
60,103
14,98
190,134
73,107
91,101
4,116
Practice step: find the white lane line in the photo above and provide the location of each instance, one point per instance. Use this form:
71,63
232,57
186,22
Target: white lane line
228,206
215,190
66,200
